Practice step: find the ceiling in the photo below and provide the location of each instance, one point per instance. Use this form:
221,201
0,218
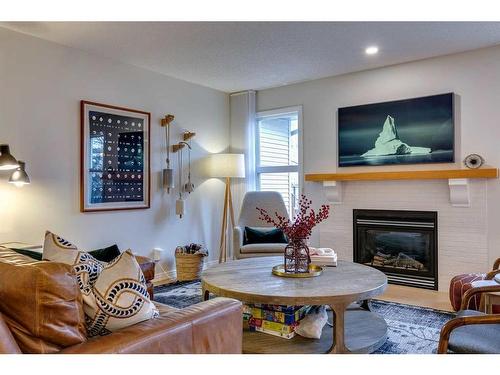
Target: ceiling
235,56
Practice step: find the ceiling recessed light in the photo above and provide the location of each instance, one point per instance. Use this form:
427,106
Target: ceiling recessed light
372,50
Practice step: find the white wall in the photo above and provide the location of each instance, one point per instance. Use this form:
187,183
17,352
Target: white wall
242,123
41,85
470,237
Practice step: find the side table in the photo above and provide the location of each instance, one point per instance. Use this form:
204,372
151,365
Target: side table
488,299
148,269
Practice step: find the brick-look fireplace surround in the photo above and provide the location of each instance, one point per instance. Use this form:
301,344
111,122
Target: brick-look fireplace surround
462,236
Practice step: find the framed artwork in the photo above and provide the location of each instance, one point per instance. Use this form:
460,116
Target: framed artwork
115,171
411,131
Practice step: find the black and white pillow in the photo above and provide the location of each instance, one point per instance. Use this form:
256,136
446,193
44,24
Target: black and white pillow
86,267
114,294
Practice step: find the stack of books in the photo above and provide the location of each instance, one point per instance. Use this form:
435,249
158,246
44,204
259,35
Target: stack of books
323,256
276,320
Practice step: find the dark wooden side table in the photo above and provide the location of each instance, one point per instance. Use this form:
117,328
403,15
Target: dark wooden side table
148,269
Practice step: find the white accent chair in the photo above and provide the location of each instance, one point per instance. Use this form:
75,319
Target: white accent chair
272,202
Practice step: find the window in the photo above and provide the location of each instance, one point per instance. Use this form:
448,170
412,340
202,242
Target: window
277,154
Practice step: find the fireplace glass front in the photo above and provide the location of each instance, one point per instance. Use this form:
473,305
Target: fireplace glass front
402,244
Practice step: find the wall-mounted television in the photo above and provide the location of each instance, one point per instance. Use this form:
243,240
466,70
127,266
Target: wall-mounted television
410,131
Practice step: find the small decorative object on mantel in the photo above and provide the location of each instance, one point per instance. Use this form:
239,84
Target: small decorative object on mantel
115,173
189,261
297,259
473,161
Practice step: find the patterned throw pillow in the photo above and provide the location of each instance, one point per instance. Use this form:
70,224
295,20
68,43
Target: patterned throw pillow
86,267
121,297
114,294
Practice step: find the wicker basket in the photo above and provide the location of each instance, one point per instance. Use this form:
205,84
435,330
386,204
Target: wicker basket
188,266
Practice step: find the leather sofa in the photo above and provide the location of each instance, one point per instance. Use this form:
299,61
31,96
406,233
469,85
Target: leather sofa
41,311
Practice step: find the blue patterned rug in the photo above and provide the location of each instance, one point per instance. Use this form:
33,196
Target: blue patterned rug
412,329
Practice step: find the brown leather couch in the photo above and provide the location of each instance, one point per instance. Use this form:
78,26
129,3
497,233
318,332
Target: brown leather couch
41,311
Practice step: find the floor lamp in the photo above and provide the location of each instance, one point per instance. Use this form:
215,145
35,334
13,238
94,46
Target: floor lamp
227,166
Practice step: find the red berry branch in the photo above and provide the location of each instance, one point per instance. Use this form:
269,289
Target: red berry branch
304,222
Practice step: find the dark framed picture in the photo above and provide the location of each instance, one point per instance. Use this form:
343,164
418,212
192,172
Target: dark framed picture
411,131
115,170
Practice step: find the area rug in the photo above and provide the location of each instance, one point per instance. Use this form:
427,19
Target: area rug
412,329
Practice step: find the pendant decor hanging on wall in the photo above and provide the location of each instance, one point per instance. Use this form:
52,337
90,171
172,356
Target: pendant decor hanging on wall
188,186
168,172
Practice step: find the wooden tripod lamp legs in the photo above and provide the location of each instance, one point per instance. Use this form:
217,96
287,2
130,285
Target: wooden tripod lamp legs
228,204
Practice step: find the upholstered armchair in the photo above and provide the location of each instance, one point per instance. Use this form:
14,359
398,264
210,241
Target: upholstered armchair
472,332
460,284
249,217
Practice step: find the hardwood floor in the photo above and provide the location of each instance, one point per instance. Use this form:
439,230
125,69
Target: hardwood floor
417,297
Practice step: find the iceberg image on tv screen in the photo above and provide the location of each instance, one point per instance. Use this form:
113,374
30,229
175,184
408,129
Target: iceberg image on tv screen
411,131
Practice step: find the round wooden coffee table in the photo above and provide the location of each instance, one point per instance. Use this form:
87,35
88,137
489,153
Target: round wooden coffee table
355,330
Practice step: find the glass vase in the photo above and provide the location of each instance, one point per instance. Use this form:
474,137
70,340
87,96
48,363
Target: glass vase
297,257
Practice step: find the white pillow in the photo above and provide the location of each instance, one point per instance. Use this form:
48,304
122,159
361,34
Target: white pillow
312,325
114,294
86,267
121,297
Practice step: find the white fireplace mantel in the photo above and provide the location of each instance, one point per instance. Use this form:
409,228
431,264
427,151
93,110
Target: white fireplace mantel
458,181
459,192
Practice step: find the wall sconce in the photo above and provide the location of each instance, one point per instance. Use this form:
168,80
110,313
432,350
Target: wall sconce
7,161
19,177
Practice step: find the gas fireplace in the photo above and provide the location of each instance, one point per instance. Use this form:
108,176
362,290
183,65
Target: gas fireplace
402,244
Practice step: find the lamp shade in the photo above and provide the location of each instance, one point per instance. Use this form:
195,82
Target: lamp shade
7,161
19,177
227,165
